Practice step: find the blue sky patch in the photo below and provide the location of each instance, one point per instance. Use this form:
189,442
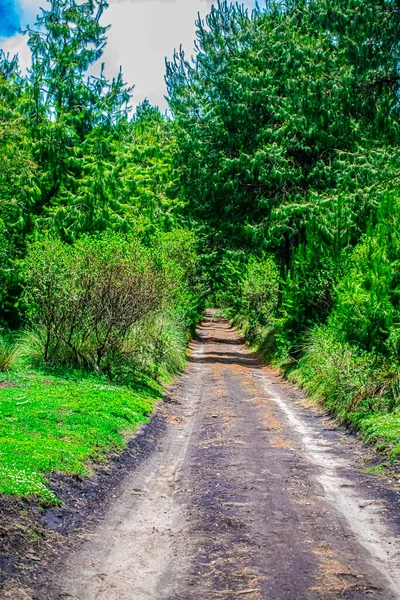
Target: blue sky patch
9,17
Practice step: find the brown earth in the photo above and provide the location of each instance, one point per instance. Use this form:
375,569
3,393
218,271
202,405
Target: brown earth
249,493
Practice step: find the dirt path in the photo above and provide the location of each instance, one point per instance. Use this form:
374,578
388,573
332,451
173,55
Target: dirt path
249,494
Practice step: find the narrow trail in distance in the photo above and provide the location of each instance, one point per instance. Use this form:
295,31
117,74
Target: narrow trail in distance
250,493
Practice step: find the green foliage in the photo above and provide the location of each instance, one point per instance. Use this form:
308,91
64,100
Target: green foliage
260,291
345,377
382,430
158,345
358,387
254,307
287,124
367,307
187,288
123,181
88,302
278,115
18,188
88,296
72,163
31,345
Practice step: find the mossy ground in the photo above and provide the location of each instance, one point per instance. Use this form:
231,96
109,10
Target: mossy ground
63,422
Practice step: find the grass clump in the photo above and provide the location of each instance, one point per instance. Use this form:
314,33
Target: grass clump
382,430
360,388
52,422
8,353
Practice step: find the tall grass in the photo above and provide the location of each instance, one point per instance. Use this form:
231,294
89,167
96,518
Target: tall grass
158,345
345,378
31,345
8,353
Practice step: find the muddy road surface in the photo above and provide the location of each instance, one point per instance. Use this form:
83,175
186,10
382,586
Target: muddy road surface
250,493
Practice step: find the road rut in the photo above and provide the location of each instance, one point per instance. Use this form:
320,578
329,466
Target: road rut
250,493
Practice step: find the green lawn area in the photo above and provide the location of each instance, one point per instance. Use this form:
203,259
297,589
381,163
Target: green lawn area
63,423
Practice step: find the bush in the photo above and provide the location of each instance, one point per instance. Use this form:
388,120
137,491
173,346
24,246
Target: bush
254,309
260,293
87,297
111,304
185,289
227,273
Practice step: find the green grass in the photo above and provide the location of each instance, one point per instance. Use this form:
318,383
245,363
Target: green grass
63,423
383,430
376,469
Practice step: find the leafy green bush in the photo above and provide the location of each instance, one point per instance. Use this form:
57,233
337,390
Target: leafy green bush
367,304
254,308
185,287
97,303
88,296
227,269
260,293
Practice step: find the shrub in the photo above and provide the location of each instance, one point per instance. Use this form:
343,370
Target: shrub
260,293
110,303
87,297
255,307
120,285
50,273
185,289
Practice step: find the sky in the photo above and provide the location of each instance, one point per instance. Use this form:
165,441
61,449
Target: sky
142,34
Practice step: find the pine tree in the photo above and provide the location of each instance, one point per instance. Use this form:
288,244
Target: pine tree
282,113
18,189
72,111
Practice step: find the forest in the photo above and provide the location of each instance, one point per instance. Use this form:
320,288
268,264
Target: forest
269,190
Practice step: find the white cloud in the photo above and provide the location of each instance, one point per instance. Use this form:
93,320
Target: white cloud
143,33
17,45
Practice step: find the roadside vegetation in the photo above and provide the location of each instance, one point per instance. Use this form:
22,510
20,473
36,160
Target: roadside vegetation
271,190
288,129
100,285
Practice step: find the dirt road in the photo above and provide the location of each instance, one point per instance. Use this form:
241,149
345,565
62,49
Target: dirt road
250,494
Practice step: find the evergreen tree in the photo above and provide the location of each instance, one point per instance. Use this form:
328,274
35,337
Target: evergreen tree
18,172
283,114
71,110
